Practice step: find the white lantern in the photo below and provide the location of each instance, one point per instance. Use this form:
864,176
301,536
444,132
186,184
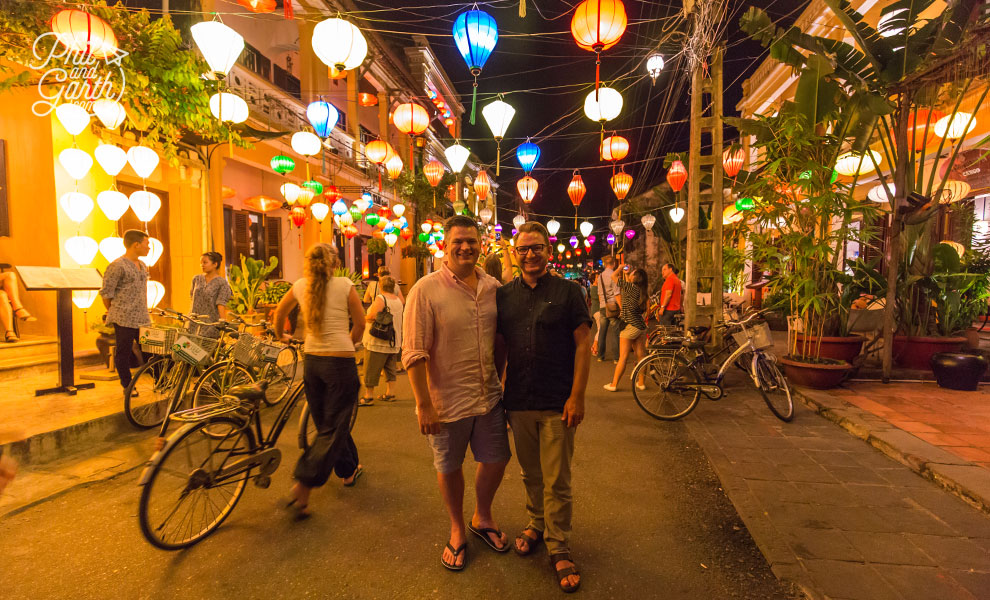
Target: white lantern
77,205
954,126
76,162
485,214
586,228
83,299
156,292
155,250
320,211
82,249
648,222
143,160
954,191
306,143
676,214
145,205
113,204
363,205
458,206
457,156
229,107
339,44
110,112
111,158
498,114
518,220
398,209
851,163
616,226
605,106
345,219
553,226
112,248
391,239
439,254
425,227
560,247
219,44
879,194
73,117
654,64
290,192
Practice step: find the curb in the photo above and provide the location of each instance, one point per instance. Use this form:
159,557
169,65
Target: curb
952,473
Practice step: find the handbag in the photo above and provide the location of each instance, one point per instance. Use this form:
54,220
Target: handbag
382,327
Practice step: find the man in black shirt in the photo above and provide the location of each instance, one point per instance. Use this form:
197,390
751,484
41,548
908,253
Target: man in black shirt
545,328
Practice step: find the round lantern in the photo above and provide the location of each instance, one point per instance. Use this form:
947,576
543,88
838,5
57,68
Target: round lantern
621,182
851,163
304,197
339,44
282,164
263,203
156,291
410,118
616,226
85,33
518,221
603,104
145,205
954,191
954,126
332,194
745,204
258,6
110,158
155,251
475,35
406,234
305,143
654,64
879,194
730,215
732,161
112,248
676,175
586,228
76,205
298,216
81,249
614,147
219,44
314,186
229,107
576,189
457,156
143,160
76,162
73,117
610,239
527,188
319,210
379,151
322,116
485,214
394,167
648,221
482,184
573,241
110,112
290,192
527,154
113,204
399,209
366,99
553,226
498,114
434,172
597,25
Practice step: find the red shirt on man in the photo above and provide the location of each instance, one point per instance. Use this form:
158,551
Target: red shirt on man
671,284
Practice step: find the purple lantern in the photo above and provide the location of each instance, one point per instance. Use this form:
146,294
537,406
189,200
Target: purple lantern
591,239
573,241
630,234
498,228
610,239
514,232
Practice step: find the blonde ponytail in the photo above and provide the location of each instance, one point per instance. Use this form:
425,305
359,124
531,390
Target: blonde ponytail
321,260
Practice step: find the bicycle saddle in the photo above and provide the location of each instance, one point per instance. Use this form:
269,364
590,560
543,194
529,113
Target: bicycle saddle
249,391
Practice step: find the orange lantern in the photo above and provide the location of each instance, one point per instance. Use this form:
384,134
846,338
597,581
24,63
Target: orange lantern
379,152
576,189
405,233
597,25
411,119
732,161
333,73
614,147
527,188
394,167
228,192
86,33
434,172
298,216
350,231
258,6
331,193
366,99
621,182
917,128
482,183
263,203
677,175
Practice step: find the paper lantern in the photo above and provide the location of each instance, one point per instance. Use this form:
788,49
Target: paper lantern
573,241
381,224
340,207
112,248
85,33
394,166
110,158
143,160
320,211
610,239
356,213
648,221
323,117
113,204
366,99
457,155
426,227
333,73
676,175
616,225
81,249
263,203
314,186
332,194
518,221
576,189
614,147
485,214
76,205
305,143
553,226
410,118
586,228
379,151
258,6
475,35
745,204
591,240
76,162
482,184
339,44
879,194
298,216
83,299
399,209
304,197
433,171
391,239
603,104
732,161
954,126
282,164
630,234
156,292
110,112
730,215
597,25
954,191
654,64
498,114
350,231
621,182
73,117
527,154
145,205
925,123
155,251
850,163
228,107
406,234
219,44
290,192
527,188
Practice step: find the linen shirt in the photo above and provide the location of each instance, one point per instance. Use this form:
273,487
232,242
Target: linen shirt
607,289
538,326
206,296
126,284
453,328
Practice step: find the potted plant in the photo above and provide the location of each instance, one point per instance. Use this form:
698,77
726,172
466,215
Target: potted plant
245,284
272,293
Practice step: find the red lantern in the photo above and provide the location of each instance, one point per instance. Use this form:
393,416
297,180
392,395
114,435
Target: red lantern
350,231
452,193
916,129
621,182
576,189
384,213
677,175
406,233
732,161
434,172
527,188
597,25
614,147
258,6
331,193
298,216
482,183
86,33
366,99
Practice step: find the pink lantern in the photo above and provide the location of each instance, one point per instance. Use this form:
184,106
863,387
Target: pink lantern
630,234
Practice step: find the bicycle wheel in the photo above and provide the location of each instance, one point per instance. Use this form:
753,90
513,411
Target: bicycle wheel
307,428
773,386
280,375
185,497
665,396
152,387
217,381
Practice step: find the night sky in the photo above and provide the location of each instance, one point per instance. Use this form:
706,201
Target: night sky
546,77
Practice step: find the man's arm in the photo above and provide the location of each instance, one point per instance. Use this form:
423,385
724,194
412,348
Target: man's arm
109,289
574,407
417,341
429,419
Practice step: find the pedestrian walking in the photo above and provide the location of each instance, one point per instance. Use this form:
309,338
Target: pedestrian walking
670,295
382,354
544,324
210,292
125,294
608,296
373,289
329,372
448,350
633,298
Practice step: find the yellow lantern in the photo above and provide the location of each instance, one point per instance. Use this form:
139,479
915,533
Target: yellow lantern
155,251
954,126
954,191
81,249
83,299
156,291
852,163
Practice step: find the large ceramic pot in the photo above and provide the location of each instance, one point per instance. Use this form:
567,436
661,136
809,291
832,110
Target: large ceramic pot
916,352
958,370
838,348
821,376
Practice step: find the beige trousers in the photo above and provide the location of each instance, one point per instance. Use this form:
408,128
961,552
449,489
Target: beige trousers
544,449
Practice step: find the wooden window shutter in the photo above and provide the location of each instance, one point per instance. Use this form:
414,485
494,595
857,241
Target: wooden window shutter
242,237
273,242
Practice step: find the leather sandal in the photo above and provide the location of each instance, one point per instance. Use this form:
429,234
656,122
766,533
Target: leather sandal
562,574
532,543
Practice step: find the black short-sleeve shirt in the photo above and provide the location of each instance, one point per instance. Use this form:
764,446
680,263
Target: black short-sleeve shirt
538,326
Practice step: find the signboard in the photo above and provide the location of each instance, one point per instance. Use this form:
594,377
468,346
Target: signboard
54,278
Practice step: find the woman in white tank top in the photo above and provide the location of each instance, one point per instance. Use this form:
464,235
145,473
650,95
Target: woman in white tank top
334,321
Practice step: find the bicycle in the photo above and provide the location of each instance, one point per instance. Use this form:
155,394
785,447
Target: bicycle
675,380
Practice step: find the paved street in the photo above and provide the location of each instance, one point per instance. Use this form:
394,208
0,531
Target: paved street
651,521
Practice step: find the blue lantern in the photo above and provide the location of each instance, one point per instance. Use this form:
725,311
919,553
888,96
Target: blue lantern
475,34
528,153
322,116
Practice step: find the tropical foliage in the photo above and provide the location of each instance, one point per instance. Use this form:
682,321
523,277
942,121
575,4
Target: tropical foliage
245,283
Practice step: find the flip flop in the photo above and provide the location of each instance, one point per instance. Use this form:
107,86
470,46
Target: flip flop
532,542
483,532
357,473
456,552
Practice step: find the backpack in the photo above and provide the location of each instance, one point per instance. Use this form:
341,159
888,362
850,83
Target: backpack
382,327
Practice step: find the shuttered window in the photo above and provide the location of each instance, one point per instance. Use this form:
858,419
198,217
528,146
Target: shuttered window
273,242
252,234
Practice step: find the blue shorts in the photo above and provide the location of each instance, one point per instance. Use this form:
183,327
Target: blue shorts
486,434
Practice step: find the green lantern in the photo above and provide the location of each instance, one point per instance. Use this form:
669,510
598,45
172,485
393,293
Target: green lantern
314,186
372,219
282,164
835,176
745,204
356,213
423,237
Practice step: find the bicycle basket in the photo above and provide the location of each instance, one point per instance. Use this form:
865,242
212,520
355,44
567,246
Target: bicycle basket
194,349
243,350
759,334
268,353
157,339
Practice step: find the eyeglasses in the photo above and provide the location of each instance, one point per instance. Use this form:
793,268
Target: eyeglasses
535,249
